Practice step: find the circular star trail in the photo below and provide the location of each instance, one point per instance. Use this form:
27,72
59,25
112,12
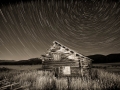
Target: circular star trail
27,29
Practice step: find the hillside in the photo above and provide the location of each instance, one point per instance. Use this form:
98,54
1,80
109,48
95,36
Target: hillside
32,61
98,58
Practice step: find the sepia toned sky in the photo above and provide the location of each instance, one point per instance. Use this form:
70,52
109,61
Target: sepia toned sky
27,29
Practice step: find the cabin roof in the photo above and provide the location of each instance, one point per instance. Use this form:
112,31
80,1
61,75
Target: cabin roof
72,51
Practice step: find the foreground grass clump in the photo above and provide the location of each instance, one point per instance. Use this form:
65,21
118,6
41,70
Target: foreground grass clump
9,74
45,80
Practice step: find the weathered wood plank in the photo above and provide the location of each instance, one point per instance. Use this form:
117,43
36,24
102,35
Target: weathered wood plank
21,87
10,85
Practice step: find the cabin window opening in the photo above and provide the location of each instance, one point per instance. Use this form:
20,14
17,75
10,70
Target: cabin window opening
66,70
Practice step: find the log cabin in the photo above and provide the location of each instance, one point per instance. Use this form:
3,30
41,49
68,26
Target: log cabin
66,62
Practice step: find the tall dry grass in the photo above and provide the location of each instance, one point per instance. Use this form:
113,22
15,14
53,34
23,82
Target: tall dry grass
45,80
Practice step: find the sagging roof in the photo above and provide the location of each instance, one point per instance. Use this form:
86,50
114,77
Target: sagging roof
72,51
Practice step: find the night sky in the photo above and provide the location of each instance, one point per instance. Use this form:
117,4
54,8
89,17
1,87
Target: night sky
27,29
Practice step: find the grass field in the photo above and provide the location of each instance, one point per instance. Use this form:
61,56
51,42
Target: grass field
22,67
44,80
110,67
100,79
108,64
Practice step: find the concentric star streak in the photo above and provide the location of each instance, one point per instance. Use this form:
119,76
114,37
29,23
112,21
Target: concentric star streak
27,29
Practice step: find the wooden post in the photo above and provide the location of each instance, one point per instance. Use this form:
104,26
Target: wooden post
79,63
81,67
11,87
68,79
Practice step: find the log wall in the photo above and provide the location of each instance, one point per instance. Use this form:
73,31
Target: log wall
77,68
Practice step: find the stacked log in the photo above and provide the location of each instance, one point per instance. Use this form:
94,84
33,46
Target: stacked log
77,68
66,62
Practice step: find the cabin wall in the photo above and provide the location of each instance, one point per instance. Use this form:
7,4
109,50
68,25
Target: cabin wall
66,62
77,68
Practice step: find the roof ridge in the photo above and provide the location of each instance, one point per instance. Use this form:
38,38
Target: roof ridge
71,50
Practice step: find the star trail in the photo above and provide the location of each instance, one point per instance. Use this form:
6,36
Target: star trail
27,29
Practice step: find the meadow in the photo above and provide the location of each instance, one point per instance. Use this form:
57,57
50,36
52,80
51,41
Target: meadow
36,79
110,67
22,67
45,80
